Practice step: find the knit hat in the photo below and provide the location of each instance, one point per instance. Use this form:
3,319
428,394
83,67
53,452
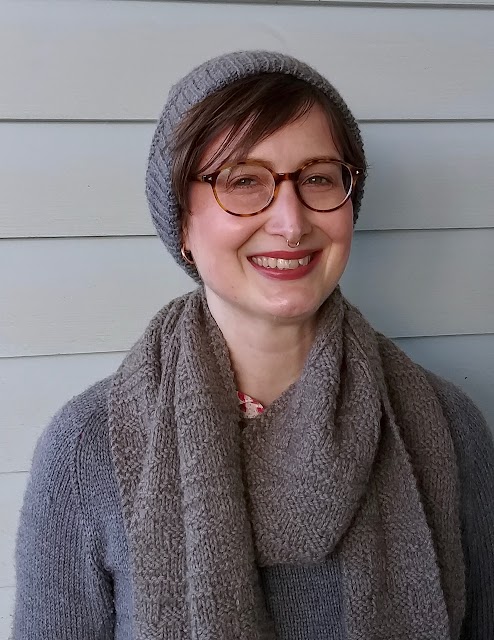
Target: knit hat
209,77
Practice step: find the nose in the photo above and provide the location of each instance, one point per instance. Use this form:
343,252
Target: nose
287,216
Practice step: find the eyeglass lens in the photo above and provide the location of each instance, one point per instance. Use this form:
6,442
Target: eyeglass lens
246,189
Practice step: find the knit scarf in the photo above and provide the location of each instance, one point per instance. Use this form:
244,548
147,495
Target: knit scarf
353,461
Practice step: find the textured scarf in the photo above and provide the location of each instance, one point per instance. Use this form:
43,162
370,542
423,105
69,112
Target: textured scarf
354,459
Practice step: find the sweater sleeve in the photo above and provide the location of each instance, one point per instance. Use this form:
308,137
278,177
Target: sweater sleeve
474,449
62,592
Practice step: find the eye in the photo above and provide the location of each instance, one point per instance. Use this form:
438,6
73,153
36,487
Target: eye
319,180
251,183
244,181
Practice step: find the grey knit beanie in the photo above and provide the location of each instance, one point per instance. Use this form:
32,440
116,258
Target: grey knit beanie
211,76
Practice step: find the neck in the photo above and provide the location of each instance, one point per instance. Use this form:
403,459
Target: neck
267,354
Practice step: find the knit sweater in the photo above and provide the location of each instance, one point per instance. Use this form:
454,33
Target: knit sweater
73,570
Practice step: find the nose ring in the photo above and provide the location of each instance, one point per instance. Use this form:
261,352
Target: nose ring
292,246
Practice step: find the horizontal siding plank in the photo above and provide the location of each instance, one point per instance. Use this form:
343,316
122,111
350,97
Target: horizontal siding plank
17,447
6,611
470,4
12,487
467,361
424,283
398,63
33,389
428,176
91,183
84,179
87,295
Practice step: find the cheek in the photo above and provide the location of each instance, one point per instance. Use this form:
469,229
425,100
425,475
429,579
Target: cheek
202,223
196,196
208,225
339,226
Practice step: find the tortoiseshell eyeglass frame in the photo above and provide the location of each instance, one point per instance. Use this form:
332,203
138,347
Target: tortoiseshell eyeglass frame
293,176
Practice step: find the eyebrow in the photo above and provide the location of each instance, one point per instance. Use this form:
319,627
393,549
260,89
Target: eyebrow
267,163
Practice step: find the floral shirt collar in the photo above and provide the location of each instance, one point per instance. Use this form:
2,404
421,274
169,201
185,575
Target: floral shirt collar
249,406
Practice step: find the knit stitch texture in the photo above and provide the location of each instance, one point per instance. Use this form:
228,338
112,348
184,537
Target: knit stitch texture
358,462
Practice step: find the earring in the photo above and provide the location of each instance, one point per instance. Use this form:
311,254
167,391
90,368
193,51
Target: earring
186,258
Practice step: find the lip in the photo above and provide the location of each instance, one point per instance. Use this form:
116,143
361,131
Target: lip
287,274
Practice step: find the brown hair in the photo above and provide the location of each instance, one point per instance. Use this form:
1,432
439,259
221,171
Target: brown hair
251,109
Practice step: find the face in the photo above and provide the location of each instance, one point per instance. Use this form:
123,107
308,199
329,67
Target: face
229,250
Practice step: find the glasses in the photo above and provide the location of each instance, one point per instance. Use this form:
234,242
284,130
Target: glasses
249,188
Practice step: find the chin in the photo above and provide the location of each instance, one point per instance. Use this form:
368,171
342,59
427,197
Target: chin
292,307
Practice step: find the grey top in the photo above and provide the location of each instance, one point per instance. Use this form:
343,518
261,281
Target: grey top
73,576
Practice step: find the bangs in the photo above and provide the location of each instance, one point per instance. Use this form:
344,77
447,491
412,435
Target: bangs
243,136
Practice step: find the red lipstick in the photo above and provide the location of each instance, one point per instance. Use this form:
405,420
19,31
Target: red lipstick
287,274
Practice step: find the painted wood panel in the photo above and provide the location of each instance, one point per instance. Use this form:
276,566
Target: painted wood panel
424,283
85,295
17,447
429,175
12,487
6,610
33,389
389,63
467,361
75,179
69,179
470,4
100,293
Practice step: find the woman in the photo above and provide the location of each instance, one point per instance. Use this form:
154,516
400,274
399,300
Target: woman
263,464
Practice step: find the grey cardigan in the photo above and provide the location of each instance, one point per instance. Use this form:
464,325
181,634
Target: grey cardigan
73,576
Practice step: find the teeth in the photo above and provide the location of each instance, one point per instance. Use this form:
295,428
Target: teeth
278,263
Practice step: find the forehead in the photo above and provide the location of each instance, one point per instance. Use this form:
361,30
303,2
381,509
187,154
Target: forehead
307,137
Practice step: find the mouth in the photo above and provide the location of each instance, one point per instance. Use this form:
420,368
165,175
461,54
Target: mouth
285,265
269,262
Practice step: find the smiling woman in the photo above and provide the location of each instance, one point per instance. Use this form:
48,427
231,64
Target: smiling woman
263,465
